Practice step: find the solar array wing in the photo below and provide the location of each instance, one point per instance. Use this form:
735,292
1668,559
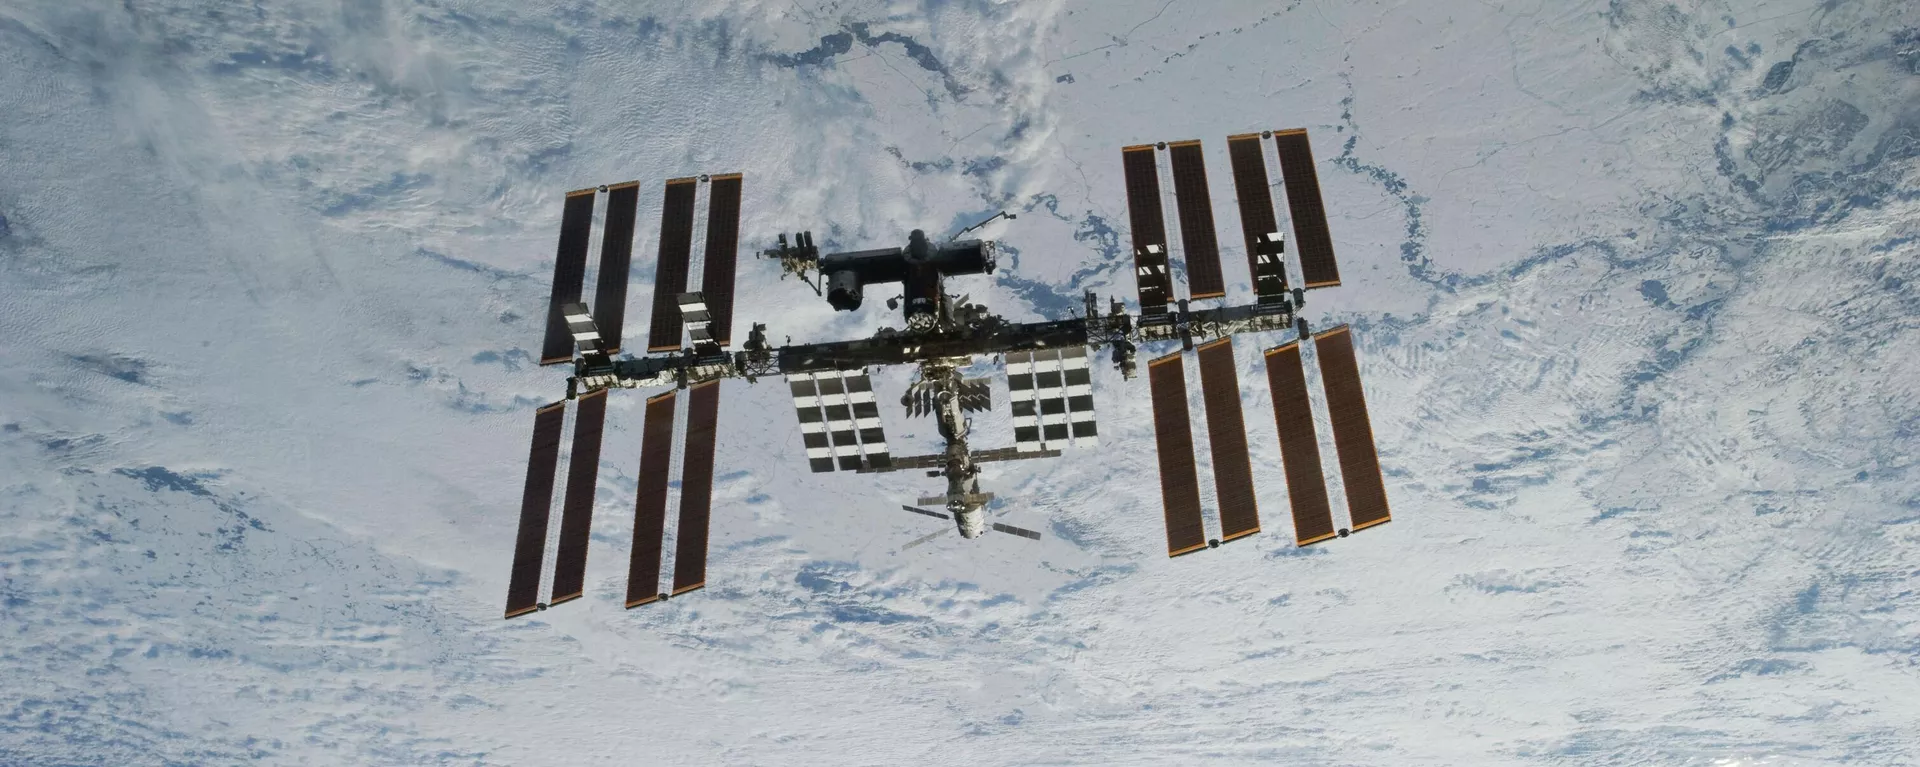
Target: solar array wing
813,421
1352,432
866,419
1196,220
1020,531
723,245
1258,227
1021,397
1227,433
840,425
1079,392
670,278
569,273
1299,448
576,521
1315,243
536,503
1050,393
1149,228
918,510
696,488
616,259
650,502
1173,433
925,538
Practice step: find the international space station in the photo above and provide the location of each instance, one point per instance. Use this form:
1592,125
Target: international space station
1048,365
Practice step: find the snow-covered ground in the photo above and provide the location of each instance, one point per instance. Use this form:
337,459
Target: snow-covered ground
1634,287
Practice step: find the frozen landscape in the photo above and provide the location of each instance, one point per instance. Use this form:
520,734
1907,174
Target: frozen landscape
1636,296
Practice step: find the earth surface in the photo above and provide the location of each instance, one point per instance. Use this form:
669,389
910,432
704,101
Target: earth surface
1633,284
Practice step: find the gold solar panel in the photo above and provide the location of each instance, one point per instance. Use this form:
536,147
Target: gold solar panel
1299,448
696,489
569,274
1173,435
616,260
1196,220
536,505
650,502
1352,431
1227,435
723,245
576,520
1149,228
670,277
1312,239
1257,223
